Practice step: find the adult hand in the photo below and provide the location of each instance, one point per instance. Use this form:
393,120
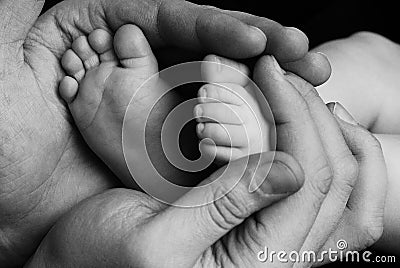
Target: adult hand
353,208
126,228
45,168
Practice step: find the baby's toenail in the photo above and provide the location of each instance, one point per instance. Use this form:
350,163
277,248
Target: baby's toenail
203,93
218,62
198,111
200,127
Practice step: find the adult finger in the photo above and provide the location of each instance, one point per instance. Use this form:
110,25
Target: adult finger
362,223
285,43
297,135
189,232
128,226
186,25
343,165
18,17
107,224
313,67
290,47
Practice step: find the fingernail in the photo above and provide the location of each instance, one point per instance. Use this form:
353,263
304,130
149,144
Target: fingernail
343,114
298,31
323,54
331,106
326,57
286,186
277,66
270,182
260,176
259,31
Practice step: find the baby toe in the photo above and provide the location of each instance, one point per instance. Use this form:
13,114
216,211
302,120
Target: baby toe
134,51
88,56
73,65
223,134
215,69
219,112
224,92
220,154
68,89
102,42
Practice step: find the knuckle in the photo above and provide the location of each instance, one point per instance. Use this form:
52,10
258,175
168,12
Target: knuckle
345,177
347,170
321,181
228,211
369,223
370,232
351,167
374,233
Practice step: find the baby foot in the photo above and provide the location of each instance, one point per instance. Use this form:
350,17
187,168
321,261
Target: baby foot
103,73
230,120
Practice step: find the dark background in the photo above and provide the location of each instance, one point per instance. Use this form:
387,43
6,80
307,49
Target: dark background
322,21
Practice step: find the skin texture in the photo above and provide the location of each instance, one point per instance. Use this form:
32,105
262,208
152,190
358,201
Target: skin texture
128,227
228,112
365,79
45,167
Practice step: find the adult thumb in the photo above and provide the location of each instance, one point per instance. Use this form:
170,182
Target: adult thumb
233,194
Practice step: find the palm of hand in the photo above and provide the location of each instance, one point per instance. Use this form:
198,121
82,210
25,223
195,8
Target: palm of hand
43,158
45,168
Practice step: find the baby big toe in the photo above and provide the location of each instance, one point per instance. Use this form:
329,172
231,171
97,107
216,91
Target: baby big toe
217,69
134,51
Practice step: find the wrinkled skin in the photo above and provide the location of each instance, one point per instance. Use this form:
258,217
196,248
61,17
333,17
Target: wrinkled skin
45,168
124,228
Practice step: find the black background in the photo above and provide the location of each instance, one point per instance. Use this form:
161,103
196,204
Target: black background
321,21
